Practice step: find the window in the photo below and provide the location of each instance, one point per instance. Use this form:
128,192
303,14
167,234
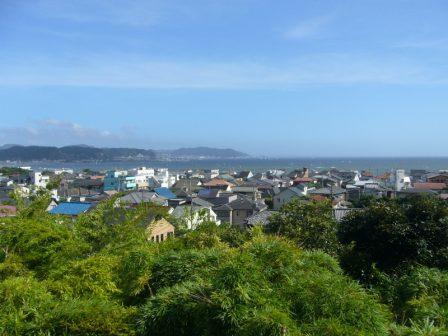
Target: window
161,237
157,238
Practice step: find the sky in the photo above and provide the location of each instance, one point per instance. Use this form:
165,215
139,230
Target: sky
289,78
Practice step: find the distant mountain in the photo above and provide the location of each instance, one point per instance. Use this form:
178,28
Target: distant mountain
6,146
207,152
73,153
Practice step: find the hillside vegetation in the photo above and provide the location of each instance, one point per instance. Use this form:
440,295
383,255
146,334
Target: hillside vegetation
99,275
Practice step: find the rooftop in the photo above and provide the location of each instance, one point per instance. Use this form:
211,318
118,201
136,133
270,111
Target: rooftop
71,208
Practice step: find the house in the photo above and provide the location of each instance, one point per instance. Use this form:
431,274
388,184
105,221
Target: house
259,219
383,177
299,173
418,175
287,195
430,186
188,184
339,213
237,211
219,184
356,191
244,175
334,193
194,215
160,230
71,208
80,187
165,193
275,173
137,197
302,180
39,180
226,177
346,177
251,192
143,176
210,173
399,180
366,174
7,211
119,181
201,202
162,175
209,193
221,198
326,181
53,204
437,178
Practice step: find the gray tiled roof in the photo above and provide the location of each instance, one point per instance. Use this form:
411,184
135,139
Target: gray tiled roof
260,218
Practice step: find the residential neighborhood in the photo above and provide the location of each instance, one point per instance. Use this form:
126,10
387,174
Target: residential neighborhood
241,198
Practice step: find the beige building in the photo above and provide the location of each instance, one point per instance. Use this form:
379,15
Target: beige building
160,230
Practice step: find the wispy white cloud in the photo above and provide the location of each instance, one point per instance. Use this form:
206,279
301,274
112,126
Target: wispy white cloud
309,28
60,132
136,72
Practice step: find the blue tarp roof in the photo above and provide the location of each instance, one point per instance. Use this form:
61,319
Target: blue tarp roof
71,208
165,193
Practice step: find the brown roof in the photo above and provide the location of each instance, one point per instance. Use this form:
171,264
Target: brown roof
366,173
319,198
218,182
429,186
303,180
385,176
7,210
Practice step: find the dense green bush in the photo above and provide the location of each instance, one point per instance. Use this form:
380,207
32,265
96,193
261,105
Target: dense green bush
265,287
99,275
393,234
310,224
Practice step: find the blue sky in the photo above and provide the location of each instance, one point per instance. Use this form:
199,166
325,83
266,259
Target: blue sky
276,78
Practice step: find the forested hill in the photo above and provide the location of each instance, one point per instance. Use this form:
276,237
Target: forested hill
89,153
73,153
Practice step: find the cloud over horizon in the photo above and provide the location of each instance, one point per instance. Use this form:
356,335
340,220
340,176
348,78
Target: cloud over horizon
54,132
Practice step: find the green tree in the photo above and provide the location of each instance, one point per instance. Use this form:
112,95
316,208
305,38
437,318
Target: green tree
310,224
265,287
395,233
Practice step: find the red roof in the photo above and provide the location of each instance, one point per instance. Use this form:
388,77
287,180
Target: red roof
429,186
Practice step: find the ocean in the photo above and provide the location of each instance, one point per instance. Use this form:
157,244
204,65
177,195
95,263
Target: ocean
375,165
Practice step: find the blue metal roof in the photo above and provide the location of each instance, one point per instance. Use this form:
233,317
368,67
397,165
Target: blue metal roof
71,208
165,193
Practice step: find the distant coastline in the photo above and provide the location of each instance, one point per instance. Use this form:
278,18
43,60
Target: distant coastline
89,154
374,164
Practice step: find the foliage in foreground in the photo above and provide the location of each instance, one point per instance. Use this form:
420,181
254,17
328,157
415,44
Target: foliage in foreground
98,275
